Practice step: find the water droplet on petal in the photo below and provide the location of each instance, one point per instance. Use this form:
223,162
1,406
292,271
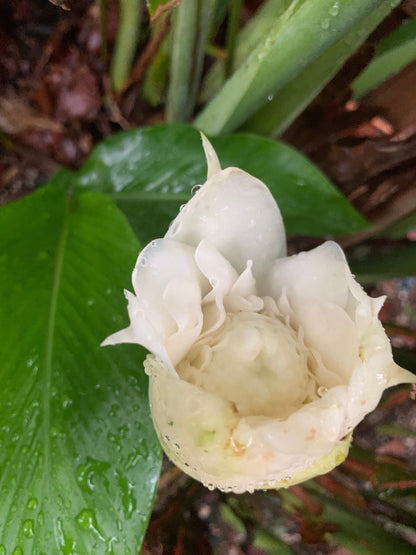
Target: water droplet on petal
195,189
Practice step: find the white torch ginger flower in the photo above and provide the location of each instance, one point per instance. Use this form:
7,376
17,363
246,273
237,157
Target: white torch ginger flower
262,364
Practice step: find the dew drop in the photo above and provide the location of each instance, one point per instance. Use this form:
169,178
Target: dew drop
270,97
87,521
28,528
32,504
195,189
143,261
90,302
301,182
17,550
66,401
182,207
325,23
334,10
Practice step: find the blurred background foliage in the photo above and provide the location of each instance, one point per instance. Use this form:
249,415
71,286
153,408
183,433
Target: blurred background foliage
321,98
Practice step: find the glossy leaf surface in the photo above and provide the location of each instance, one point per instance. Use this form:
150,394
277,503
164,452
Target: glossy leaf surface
79,460
150,172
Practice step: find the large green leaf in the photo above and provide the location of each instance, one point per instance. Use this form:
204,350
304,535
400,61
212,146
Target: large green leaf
150,172
79,460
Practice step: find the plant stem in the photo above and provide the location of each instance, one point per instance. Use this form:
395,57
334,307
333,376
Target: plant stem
126,42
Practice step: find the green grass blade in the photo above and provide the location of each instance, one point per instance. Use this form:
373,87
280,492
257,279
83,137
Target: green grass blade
305,31
191,25
289,101
392,54
396,263
247,39
126,42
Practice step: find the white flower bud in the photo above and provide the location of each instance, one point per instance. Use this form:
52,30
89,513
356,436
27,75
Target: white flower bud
262,364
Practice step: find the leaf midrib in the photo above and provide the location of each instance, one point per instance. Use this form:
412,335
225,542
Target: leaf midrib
50,334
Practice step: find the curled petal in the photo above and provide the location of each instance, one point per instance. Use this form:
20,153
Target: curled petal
319,274
141,332
213,164
237,214
207,437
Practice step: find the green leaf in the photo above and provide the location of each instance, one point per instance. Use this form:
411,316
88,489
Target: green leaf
150,172
401,228
393,53
126,41
305,31
79,459
358,534
247,39
290,100
392,264
152,5
191,24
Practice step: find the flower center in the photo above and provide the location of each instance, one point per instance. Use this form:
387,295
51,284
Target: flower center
255,361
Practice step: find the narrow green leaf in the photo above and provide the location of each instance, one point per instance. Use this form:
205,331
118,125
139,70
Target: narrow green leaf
126,42
392,54
150,172
401,228
247,39
359,534
191,24
392,264
232,30
304,32
290,100
79,459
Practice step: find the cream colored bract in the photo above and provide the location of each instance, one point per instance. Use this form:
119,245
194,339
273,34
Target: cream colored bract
262,364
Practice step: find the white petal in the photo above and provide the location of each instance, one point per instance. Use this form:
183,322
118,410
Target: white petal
221,276
237,214
375,372
243,294
160,263
140,332
182,299
213,164
319,274
206,436
166,315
